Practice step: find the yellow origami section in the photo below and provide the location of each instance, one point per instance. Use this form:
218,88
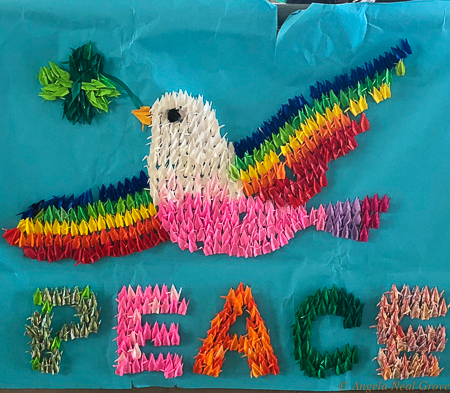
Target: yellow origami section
117,220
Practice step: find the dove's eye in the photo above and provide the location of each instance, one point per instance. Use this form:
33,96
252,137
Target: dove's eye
173,115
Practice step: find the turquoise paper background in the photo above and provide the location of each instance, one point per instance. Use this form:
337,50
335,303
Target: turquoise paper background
227,51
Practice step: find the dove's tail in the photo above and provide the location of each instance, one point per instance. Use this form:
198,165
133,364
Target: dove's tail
121,222
350,220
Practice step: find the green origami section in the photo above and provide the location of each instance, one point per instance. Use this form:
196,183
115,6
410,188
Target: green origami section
84,213
85,88
98,91
45,348
55,82
327,301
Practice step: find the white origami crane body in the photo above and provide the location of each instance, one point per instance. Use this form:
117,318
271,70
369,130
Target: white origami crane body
188,155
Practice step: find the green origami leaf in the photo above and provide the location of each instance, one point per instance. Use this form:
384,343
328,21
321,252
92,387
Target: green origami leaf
284,135
55,81
318,359
332,307
355,355
97,93
296,123
325,102
333,99
348,365
321,373
137,200
352,94
109,207
345,102
312,314
326,296
146,197
264,150
248,160
368,84
351,300
318,107
303,363
121,208
63,214
72,215
361,90
312,356
35,364
40,215
42,76
347,352
327,361
37,297
81,214
348,321
55,214
130,202
46,308
336,357
86,293
378,80
306,347
302,116
297,353
290,131
47,97
317,297
101,209
277,141
91,211
48,215
357,320
306,335
55,344
270,145
309,112
58,72
322,309
340,368
240,164
50,75
310,371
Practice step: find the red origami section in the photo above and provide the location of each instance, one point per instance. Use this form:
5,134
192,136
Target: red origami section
308,163
90,248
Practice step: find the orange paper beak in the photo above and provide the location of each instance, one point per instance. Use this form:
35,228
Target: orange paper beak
144,116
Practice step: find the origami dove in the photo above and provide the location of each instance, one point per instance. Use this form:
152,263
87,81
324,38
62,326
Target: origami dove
203,192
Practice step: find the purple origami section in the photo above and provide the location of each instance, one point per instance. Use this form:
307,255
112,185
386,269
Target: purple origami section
350,220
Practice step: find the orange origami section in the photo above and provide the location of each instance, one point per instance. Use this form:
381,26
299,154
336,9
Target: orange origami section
255,345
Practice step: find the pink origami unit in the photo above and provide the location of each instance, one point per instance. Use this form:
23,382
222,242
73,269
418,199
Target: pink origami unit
131,334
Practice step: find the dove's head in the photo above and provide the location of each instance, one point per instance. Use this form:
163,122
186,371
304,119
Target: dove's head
188,154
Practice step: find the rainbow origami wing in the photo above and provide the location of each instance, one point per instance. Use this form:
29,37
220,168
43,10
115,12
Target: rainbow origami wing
285,161
287,158
121,222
